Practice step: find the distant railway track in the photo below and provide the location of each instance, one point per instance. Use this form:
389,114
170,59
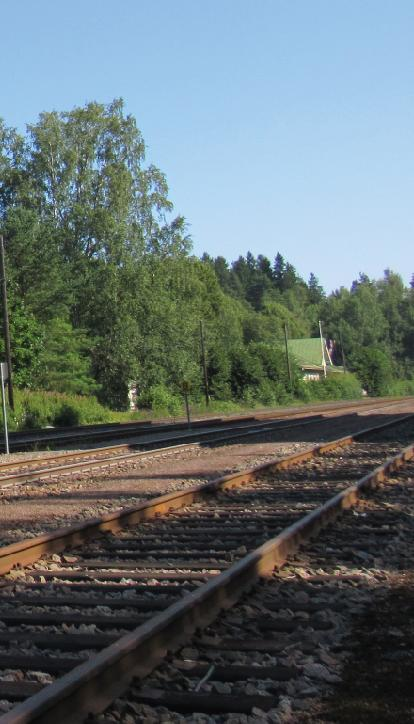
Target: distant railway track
70,463
116,593
58,437
55,467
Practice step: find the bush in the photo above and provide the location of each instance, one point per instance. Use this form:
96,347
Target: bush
159,398
246,375
35,415
334,387
304,391
64,363
218,371
401,387
374,370
67,416
38,408
267,393
342,387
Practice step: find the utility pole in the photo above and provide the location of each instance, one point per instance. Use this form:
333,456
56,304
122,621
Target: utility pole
6,328
186,390
3,375
204,363
287,356
342,350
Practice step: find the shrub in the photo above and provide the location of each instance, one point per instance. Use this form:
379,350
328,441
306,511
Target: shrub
64,363
218,371
303,391
159,398
342,387
267,393
38,408
34,416
67,416
334,387
249,396
373,368
246,375
401,387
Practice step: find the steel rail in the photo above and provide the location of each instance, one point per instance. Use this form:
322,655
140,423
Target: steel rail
146,446
17,555
97,458
96,461
26,439
93,685
109,456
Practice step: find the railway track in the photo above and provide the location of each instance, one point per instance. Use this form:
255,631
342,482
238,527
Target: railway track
16,472
62,465
85,434
284,652
90,610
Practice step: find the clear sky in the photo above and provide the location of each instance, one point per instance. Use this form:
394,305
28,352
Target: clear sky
282,125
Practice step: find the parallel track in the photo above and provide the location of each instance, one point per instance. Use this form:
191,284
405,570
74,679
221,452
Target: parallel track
16,472
187,564
70,463
85,434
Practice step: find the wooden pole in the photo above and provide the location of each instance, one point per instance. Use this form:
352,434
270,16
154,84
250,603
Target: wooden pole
3,404
287,357
204,363
342,349
6,328
187,409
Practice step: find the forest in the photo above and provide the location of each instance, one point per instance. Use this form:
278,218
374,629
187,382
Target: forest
104,289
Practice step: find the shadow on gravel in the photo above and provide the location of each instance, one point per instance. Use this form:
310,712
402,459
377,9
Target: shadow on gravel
326,428
377,685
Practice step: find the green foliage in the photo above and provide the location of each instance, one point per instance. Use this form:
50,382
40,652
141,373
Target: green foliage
374,370
35,266
81,211
160,399
246,374
68,416
342,387
259,374
64,365
218,371
38,408
27,334
333,387
103,289
401,388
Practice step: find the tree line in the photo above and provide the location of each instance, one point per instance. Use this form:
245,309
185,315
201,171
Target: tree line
104,289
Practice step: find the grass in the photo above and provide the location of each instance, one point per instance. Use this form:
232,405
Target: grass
38,408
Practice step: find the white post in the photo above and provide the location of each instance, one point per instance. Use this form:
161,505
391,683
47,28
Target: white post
322,348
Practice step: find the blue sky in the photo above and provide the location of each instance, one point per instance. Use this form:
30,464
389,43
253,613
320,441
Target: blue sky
281,125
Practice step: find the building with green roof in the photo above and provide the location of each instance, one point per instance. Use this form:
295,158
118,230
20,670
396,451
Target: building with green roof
313,357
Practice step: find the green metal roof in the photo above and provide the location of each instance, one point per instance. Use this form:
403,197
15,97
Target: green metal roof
308,352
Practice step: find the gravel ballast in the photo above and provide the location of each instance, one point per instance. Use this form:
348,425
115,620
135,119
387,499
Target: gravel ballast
33,508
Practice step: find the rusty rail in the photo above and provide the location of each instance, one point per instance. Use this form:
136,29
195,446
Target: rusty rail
17,555
93,685
97,458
